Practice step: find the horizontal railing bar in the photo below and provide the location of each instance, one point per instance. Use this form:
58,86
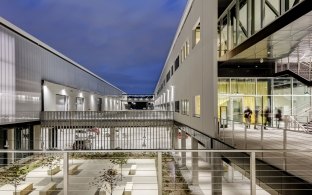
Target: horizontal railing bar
159,150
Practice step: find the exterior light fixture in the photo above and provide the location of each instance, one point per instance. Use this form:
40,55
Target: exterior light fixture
261,60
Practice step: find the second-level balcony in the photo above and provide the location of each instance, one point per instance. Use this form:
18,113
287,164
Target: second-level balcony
252,28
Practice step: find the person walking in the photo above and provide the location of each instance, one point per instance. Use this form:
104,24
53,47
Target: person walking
267,118
278,117
247,116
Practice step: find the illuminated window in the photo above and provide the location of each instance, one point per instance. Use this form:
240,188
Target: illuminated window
182,54
185,107
79,103
197,106
196,34
61,102
187,48
185,51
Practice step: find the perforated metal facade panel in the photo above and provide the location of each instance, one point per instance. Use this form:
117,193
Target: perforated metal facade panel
23,66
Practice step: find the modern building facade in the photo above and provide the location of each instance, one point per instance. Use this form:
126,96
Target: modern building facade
251,54
31,72
226,56
35,78
257,41
188,83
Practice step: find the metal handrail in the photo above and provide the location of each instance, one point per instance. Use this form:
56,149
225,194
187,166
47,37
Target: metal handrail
107,115
297,126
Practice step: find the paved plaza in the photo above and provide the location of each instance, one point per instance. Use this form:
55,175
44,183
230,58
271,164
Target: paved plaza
144,181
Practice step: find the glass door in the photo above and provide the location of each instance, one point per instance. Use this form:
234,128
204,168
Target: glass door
236,109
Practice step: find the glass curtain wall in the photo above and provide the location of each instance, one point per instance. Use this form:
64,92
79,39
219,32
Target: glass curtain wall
234,26
285,95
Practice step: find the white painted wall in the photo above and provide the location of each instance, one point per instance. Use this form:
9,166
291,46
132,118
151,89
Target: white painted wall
197,74
90,99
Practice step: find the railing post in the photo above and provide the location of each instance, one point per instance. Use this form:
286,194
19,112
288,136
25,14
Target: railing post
223,126
262,139
233,142
159,173
245,135
183,147
284,148
65,173
253,173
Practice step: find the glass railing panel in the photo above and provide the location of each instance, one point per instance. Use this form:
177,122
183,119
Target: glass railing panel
281,86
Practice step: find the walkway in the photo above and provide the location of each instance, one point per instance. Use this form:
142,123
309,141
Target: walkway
240,185
297,163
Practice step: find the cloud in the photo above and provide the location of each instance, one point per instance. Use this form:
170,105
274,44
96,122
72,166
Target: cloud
124,41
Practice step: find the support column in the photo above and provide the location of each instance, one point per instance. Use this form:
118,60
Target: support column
11,143
216,174
159,173
183,147
230,173
175,133
194,162
37,137
112,138
65,173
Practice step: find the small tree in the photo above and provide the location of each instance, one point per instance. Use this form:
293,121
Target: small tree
51,161
110,176
120,159
13,174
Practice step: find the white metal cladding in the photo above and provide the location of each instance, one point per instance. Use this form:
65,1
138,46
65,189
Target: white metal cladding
7,74
24,64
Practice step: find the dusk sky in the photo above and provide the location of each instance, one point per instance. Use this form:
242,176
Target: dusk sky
126,42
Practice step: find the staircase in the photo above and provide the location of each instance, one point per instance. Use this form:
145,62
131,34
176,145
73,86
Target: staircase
308,126
301,71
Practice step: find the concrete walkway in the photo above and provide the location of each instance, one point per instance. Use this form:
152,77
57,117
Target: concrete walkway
297,163
239,185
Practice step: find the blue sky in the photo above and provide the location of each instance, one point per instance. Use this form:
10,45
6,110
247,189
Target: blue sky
124,41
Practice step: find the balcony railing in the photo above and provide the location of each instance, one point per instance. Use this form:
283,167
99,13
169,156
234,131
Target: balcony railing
19,117
150,172
106,130
106,115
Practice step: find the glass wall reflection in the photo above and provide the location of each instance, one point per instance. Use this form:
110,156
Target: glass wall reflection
267,98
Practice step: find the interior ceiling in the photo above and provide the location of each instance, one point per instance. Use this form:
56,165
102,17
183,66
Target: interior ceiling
292,40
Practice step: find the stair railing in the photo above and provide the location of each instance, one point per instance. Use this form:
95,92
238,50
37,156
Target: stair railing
292,124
